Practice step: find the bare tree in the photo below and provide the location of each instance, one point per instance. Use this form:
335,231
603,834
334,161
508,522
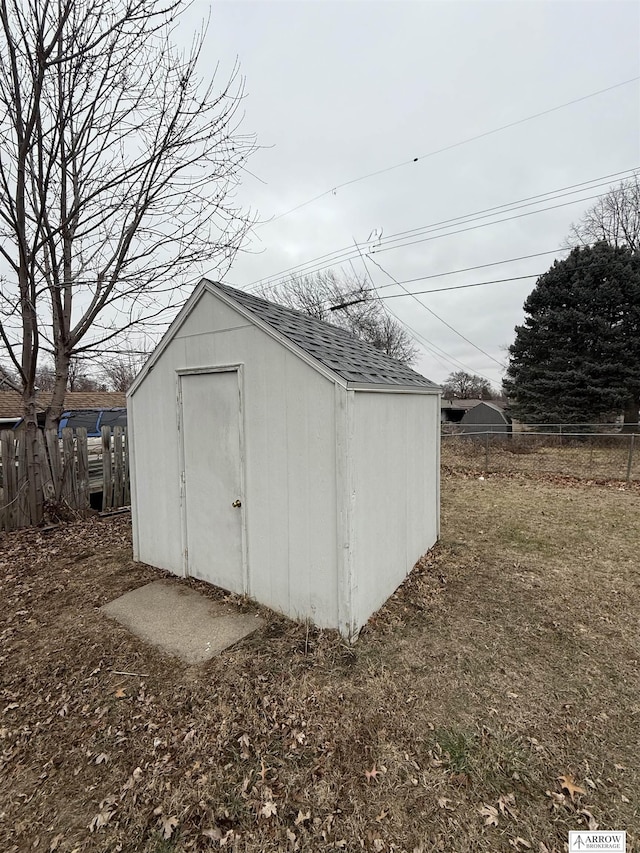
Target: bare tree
615,218
116,162
8,379
120,371
45,378
349,302
467,386
77,380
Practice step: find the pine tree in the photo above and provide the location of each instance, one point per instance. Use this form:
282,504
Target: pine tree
576,358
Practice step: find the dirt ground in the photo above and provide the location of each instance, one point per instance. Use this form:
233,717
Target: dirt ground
492,705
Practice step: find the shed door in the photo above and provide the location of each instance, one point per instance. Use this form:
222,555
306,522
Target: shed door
212,478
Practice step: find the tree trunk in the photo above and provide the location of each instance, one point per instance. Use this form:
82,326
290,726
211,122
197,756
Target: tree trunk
34,485
56,407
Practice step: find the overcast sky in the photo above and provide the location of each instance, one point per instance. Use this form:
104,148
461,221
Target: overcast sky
336,90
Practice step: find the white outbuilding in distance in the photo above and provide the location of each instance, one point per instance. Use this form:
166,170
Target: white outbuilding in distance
279,457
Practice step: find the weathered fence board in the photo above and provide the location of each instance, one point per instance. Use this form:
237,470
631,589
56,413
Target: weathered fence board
48,486
118,467
22,504
8,480
53,447
64,473
107,469
83,492
69,483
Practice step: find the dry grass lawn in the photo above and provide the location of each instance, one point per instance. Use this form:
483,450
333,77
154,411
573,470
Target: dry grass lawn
590,458
492,705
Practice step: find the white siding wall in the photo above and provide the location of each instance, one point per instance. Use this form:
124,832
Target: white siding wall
394,488
290,458
154,471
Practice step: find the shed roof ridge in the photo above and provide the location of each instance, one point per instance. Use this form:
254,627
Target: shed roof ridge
344,354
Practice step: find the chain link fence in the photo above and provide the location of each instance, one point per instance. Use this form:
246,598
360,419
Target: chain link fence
586,451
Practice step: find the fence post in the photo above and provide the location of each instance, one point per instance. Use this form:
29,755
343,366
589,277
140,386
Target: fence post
107,481
82,452
486,452
9,484
118,467
630,458
48,487
57,470
69,480
22,517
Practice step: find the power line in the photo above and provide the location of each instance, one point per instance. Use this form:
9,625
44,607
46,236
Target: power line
486,224
450,147
428,345
288,285
347,252
471,269
423,292
458,286
561,192
454,362
437,316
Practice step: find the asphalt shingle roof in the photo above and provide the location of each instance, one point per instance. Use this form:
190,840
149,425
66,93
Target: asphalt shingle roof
11,401
347,356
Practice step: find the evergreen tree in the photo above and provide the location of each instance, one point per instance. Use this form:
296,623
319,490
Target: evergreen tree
576,358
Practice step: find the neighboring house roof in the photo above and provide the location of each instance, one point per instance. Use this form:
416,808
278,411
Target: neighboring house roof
464,405
11,401
485,417
348,357
457,404
93,400
491,404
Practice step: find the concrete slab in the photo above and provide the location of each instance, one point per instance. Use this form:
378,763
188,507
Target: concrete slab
180,621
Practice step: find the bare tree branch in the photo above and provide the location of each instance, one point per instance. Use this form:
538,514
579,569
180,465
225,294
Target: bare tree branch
117,169
614,219
361,312
466,386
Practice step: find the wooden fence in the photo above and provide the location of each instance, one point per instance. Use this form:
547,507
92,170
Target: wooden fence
70,471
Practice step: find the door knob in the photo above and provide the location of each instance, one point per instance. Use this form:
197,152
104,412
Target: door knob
237,503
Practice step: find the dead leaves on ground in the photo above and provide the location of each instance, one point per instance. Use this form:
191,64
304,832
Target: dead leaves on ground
569,785
590,820
269,809
216,834
168,826
206,746
106,811
55,842
560,800
490,815
520,843
372,774
506,807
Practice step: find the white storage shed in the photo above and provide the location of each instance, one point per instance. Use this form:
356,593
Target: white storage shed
277,456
